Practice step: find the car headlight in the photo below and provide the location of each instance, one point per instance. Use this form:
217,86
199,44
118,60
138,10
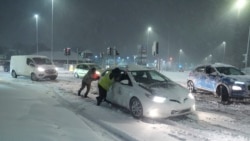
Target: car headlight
40,69
194,107
236,88
56,68
159,99
191,96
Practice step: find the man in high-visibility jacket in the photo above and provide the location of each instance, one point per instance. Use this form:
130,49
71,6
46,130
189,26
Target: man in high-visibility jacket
105,82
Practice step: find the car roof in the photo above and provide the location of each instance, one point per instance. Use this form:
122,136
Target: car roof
217,65
132,67
87,64
221,65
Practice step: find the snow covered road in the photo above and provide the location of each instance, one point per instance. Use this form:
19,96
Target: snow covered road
212,121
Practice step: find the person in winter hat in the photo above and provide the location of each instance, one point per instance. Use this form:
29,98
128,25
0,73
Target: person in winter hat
86,81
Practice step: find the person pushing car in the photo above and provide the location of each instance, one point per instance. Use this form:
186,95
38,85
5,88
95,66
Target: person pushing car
105,82
86,81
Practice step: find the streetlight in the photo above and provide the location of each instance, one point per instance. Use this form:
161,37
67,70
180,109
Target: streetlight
36,17
224,47
180,51
148,31
239,5
52,34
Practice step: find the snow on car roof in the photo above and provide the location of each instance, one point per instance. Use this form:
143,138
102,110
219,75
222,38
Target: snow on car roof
133,67
221,65
217,65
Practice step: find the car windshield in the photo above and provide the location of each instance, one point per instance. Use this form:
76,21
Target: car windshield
42,61
149,77
229,71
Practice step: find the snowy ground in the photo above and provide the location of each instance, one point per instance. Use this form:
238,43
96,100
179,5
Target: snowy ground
212,121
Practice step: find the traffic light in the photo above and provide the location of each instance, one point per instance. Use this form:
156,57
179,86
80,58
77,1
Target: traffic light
67,51
117,53
157,48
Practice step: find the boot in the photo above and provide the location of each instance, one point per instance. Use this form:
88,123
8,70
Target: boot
98,101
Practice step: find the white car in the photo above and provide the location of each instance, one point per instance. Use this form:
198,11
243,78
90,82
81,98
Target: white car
82,68
148,93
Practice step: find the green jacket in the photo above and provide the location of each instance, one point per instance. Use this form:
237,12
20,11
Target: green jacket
105,82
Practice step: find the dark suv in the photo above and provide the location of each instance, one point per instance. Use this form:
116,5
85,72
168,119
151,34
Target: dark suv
225,81
6,66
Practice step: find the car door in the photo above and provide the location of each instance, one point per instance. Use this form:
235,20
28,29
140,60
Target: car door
211,79
29,68
204,80
122,90
199,76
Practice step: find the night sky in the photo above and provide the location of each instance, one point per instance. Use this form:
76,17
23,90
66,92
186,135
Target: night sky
198,27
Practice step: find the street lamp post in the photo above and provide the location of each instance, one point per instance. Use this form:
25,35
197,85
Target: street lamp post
36,17
180,51
224,47
210,58
149,30
247,47
239,5
52,34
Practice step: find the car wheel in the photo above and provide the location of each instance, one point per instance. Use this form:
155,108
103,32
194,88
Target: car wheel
222,92
33,77
190,86
76,75
136,108
13,74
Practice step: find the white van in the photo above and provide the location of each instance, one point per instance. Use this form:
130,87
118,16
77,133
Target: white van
35,66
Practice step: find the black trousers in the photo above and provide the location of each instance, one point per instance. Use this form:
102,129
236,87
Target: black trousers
102,94
82,87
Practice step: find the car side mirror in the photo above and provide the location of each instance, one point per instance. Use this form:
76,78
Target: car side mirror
125,82
214,73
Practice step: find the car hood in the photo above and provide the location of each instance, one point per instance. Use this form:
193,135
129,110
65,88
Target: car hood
171,91
242,78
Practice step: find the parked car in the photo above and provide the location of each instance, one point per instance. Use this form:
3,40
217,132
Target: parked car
6,66
82,68
225,81
148,93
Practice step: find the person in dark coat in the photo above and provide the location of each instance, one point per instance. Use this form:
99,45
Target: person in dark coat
105,82
86,81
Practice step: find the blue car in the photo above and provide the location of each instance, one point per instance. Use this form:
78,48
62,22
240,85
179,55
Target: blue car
225,81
